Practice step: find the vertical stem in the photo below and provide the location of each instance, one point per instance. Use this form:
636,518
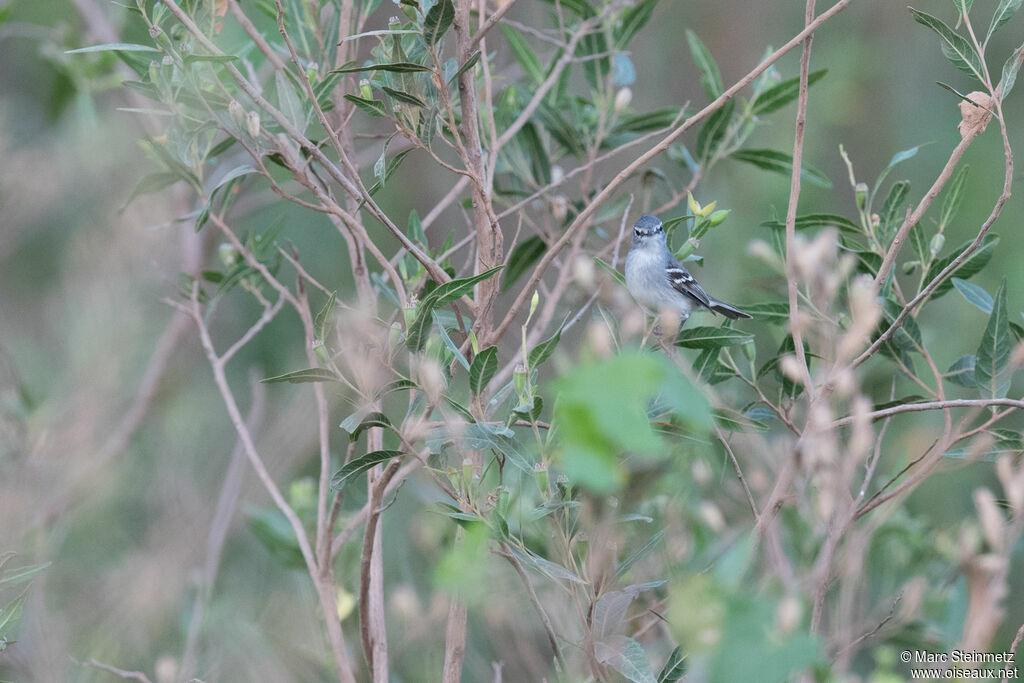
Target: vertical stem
489,240
455,634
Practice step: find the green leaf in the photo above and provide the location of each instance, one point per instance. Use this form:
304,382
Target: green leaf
643,123
214,59
953,196
437,21
541,352
10,617
419,330
392,166
780,162
525,254
782,93
304,376
469,64
154,182
540,164
1003,13
1010,69
446,338
891,208
991,369
371,107
289,102
596,65
546,567
773,312
975,295
371,420
974,263
817,220
113,47
394,67
360,465
523,53
485,364
675,667
710,77
711,337
18,575
396,385
706,362
956,48
713,131
450,291
405,97
626,656
633,19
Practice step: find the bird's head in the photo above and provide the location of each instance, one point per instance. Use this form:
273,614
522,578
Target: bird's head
648,231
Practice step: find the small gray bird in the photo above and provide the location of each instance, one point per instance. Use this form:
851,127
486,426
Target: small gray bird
658,281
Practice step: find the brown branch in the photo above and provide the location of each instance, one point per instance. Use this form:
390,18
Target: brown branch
935,405
793,283
491,22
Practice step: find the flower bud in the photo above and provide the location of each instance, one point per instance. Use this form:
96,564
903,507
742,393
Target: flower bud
237,113
938,242
750,351
910,266
861,193
534,300
622,99
519,380
708,209
540,471
364,89
717,217
252,123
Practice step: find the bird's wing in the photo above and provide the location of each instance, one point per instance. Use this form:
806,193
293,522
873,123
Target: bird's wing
683,282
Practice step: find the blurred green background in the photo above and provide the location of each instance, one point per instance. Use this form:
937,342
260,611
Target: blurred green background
81,283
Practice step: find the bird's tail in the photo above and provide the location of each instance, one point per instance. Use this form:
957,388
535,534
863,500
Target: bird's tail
728,310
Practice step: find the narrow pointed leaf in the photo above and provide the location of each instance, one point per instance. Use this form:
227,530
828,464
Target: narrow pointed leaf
361,464
469,64
437,21
450,291
955,47
1010,69
541,352
975,295
953,196
780,162
993,356
711,337
371,107
782,93
525,254
304,376
674,668
523,53
1003,13
405,97
113,47
710,77
394,67
974,263
485,364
